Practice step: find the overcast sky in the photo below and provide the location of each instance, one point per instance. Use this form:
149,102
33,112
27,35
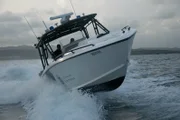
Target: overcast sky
157,21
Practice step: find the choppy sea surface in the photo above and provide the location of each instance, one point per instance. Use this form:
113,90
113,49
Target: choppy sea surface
151,91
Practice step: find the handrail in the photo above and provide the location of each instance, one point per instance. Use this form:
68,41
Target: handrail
81,47
125,28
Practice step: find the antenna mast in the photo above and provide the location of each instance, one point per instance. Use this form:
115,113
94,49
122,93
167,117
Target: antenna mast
73,8
31,28
42,20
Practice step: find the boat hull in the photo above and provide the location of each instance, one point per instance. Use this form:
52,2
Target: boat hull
107,86
100,69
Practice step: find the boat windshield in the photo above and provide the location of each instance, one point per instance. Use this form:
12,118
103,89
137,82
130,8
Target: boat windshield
48,41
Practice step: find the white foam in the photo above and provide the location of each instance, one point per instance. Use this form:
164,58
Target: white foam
45,100
55,103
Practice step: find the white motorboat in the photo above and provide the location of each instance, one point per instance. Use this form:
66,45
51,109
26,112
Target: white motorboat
96,64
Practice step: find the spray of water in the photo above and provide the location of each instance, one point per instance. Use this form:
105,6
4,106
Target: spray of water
45,100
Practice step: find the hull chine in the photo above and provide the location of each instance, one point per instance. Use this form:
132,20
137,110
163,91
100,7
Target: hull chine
104,87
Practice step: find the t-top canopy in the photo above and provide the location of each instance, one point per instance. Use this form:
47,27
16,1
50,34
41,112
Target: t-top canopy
65,29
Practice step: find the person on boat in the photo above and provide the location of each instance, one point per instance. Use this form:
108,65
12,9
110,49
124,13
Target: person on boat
58,51
72,40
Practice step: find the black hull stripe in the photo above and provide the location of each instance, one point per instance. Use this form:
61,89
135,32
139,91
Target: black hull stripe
104,87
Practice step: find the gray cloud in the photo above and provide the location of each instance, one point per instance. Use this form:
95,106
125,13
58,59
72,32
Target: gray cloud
15,30
165,14
157,21
1,4
166,11
9,17
166,1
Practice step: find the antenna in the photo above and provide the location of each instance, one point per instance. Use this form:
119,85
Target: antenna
42,20
73,8
31,28
74,13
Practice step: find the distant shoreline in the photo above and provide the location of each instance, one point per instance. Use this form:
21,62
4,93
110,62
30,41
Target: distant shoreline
29,52
154,51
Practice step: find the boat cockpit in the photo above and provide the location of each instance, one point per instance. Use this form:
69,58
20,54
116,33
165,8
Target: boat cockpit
67,27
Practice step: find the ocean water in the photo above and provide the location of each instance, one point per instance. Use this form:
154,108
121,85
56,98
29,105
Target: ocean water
149,92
